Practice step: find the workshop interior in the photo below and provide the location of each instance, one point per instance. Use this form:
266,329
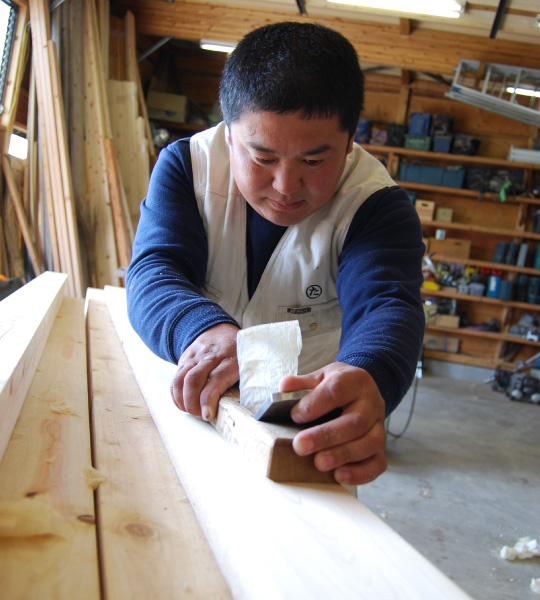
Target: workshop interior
107,491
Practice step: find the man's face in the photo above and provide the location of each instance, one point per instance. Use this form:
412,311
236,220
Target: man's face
286,166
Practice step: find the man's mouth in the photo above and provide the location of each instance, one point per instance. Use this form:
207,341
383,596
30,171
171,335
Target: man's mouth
286,206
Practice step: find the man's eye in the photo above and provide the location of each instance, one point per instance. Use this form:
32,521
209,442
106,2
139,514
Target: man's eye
313,162
264,161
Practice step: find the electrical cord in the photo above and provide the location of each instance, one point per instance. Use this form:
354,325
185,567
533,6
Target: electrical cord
411,411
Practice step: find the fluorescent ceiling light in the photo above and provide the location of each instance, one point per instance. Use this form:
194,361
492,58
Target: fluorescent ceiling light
451,9
217,46
523,92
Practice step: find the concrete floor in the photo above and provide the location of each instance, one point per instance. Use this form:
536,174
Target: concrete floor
462,482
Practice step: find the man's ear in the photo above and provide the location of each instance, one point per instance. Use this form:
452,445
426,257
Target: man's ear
228,136
350,144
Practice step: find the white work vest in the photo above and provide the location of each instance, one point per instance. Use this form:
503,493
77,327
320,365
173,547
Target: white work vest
299,279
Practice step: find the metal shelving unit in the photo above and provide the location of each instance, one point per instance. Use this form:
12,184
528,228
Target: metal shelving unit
486,86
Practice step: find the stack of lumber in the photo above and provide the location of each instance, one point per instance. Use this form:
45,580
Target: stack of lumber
100,500
75,207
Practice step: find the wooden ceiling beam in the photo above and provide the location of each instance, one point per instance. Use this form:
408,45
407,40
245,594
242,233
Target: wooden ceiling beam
426,50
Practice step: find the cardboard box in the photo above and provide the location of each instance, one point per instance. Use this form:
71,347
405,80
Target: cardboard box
167,107
430,313
444,214
457,248
425,209
451,247
447,320
441,343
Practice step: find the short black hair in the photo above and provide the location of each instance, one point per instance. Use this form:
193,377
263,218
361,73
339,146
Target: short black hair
289,67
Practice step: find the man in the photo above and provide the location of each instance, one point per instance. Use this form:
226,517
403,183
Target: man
276,214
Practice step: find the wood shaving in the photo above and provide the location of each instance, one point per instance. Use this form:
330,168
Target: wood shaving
93,477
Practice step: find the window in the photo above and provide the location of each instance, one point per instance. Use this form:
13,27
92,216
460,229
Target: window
8,20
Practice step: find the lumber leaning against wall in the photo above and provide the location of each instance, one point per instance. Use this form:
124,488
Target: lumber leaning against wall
53,144
276,541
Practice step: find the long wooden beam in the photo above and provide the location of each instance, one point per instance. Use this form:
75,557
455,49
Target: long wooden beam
276,540
47,521
151,544
26,318
377,43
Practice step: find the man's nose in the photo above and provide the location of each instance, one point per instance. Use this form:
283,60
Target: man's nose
287,180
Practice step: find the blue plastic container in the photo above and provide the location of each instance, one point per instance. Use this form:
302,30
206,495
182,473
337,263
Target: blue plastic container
453,177
442,143
419,123
494,286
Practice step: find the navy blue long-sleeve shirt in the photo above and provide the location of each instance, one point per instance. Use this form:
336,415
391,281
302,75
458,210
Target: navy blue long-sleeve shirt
378,283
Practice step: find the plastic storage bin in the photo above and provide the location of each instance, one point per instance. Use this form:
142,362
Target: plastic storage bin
451,177
419,123
442,143
417,142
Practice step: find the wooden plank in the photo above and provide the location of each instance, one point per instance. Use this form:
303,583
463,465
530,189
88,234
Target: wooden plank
267,446
133,74
21,216
54,143
276,540
103,259
121,218
26,318
151,544
132,156
65,168
53,552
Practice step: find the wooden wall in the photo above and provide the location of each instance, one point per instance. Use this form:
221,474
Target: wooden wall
185,68
422,50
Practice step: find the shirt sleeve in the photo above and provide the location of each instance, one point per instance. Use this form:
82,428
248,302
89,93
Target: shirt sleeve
378,286
168,267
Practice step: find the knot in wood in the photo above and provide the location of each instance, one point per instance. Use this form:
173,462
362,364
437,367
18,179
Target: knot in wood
139,530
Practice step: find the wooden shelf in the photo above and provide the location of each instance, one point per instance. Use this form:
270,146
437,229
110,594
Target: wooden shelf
450,158
194,128
479,216
485,264
471,361
488,335
480,299
468,228
473,195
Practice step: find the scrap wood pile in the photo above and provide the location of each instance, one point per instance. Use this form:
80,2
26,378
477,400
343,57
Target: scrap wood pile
73,204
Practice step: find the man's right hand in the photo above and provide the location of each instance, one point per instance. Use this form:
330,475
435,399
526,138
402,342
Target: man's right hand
207,369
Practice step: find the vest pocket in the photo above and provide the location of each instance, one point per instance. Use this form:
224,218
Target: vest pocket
314,319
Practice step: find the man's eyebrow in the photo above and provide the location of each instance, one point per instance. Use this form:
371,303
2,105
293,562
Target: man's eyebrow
312,152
